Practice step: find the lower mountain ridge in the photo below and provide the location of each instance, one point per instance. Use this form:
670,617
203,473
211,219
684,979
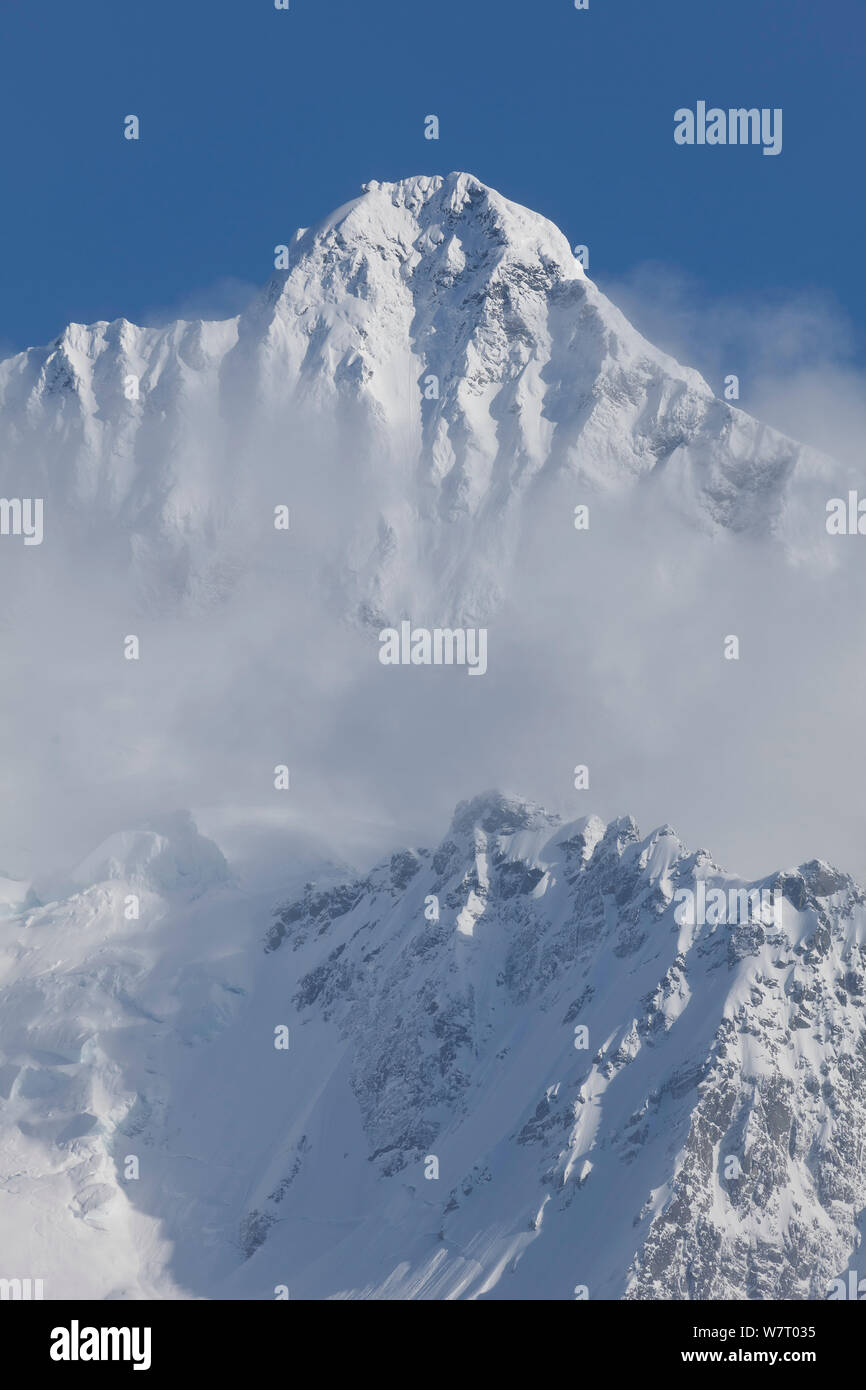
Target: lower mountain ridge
511,1067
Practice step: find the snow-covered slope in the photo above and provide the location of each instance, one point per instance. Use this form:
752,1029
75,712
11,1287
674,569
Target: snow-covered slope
434,1129
436,346
108,996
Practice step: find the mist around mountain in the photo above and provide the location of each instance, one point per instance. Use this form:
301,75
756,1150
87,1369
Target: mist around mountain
234,1057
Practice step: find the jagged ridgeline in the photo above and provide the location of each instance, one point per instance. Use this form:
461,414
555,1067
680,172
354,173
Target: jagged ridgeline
523,1064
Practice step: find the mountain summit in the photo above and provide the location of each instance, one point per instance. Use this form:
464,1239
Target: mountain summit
432,354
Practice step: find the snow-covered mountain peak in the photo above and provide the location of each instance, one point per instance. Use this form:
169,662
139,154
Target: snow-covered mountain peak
499,814
455,221
169,857
431,352
823,880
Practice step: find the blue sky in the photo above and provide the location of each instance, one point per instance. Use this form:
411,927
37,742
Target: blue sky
255,121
